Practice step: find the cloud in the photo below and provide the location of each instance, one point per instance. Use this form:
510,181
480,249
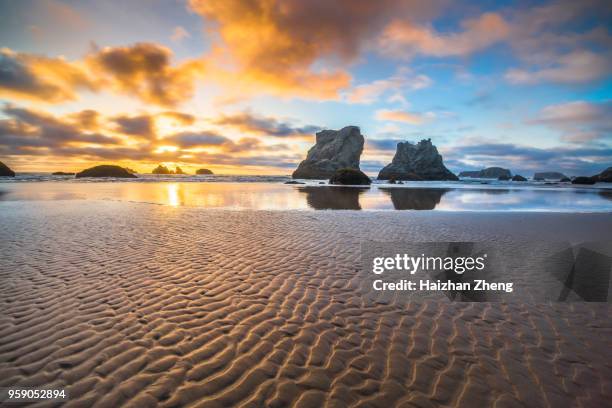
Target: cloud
403,116
578,121
144,70
288,46
267,126
524,159
574,67
196,139
179,34
404,39
40,78
393,86
142,125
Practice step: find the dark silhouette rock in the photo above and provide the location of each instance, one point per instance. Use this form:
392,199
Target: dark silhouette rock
605,176
333,150
489,172
5,171
415,198
565,180
178,170
416,162
161,169
350,177
584,180
332,198
548,175
503,178
518,178
106,170
293,182
203,171
471,173
61,173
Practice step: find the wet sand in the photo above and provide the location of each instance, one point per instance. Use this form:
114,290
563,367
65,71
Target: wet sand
128,304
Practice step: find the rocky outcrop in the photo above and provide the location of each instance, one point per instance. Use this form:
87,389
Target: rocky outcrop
489,172
549,175
161,169
473,174
416,162
605,176
333,150
106,170
518,178
503,178
178,170
5,171
352,177
203,171
584,180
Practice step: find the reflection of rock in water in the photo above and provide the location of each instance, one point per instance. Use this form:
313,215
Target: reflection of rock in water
415,198
333,198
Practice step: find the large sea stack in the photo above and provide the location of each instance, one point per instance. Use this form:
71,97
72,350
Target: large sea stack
333,150
106,170
416,162
5,171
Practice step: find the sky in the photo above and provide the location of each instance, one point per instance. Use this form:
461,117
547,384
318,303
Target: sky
241,87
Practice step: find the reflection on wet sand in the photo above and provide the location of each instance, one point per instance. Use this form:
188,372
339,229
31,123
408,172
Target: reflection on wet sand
333,198
415,198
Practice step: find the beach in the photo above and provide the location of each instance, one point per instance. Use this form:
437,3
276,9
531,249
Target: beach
135,304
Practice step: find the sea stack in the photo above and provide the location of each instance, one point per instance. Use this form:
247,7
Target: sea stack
416,162
549,175
333,150
489,172
5,171
106,170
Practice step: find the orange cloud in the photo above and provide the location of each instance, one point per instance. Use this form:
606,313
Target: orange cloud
405,117
282,45
404,39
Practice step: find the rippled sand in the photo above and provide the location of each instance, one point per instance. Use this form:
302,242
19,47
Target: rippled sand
142,305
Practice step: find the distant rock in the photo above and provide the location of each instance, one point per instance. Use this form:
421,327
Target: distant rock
565,180
333,150
584,180
518,178
5,171
605,176
178,170
473,174
489,172
161,169
416,162
351,177
503,178
203,171
294,182
549,175
106,170
62,173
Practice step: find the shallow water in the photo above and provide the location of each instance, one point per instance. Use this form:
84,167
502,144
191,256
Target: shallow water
277,196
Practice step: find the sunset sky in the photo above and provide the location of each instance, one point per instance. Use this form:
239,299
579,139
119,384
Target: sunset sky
242,86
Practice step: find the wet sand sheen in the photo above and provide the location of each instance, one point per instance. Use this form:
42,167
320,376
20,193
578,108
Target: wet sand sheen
140,305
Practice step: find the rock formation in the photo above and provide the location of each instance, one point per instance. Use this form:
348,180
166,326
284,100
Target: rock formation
161,169
518,178
5,171
416,162
333,150
178,170
352,177
106,170
584,180
549,175
503,178
473,174
489,172
203,171
605,176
